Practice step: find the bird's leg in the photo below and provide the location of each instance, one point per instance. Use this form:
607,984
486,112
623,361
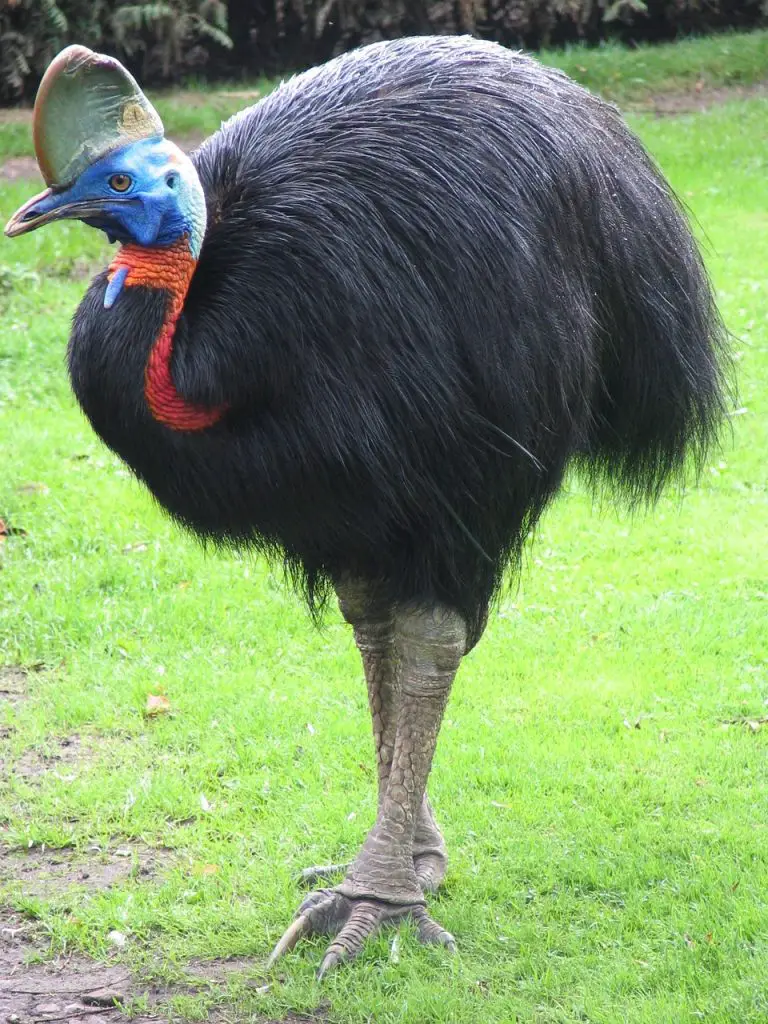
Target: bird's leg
373,623
381,885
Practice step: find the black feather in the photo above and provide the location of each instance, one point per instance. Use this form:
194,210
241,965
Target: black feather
435,273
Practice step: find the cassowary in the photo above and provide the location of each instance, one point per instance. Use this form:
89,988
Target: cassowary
365,328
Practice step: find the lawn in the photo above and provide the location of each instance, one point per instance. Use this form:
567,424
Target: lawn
601,777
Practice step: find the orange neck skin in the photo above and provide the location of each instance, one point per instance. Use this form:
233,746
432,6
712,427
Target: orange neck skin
169,269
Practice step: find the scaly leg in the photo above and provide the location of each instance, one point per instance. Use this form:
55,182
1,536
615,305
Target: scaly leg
381,885
374,628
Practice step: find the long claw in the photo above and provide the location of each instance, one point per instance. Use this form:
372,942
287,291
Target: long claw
295,931
330,960
431,933
363,922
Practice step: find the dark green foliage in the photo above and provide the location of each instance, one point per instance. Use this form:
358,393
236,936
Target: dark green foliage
159,39
172,36
30,33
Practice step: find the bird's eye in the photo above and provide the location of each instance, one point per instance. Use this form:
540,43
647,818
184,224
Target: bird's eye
120,182
171,180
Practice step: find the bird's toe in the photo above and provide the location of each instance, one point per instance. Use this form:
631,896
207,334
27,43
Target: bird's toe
351,921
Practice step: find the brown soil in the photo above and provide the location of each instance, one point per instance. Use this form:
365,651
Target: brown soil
68,988
62,757
696,100
44,873
13,683
77,990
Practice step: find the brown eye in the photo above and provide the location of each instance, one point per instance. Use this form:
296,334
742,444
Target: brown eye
120,182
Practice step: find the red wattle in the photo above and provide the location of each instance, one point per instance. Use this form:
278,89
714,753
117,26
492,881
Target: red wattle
171,270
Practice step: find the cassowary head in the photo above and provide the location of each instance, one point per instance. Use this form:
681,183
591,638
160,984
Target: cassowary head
101,151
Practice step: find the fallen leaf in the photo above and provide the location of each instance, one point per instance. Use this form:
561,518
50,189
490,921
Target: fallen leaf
156,705
33,488
708,938
6,530
118,939
205,870
310,729
204,804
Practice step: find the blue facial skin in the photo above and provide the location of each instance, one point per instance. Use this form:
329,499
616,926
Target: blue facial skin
151,211
146,193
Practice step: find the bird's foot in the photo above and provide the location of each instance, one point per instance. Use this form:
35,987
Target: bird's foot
351,920
430,857
430,865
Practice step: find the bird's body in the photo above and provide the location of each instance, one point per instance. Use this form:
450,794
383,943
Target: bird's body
434,273
419,297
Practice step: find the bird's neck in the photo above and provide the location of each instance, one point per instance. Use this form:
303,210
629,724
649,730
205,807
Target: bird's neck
169,268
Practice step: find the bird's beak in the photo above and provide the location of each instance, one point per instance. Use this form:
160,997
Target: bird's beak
48,206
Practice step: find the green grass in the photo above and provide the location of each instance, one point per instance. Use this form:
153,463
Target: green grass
608,832
632,76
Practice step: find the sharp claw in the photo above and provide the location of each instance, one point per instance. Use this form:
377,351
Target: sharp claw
295,931
363,922
330,960
431,933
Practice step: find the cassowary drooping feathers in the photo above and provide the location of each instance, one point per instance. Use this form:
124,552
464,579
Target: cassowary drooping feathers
428,276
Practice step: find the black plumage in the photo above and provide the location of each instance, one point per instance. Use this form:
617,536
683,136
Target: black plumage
434,274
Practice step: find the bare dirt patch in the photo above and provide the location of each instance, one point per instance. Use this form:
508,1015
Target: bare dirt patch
77,990
13,684
63,758
67,988
698,99
46,873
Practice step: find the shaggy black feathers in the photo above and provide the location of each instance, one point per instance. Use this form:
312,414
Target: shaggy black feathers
435,272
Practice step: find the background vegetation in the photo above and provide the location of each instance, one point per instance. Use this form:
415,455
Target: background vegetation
173,39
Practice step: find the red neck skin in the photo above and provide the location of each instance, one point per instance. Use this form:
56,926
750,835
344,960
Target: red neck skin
171,270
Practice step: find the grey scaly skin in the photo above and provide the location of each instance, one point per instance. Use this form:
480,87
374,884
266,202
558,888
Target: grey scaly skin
374,628
410,656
